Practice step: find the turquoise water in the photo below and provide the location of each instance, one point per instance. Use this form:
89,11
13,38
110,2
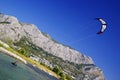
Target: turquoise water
19,72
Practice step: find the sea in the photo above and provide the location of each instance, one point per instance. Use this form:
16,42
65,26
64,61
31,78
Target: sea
20,72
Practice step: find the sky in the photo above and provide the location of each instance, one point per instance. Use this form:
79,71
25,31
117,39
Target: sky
72,22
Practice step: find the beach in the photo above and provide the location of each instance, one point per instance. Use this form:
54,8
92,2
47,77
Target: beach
33,66
21,71
12,54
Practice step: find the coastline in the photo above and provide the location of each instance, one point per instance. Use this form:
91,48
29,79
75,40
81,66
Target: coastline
32,64
12,55
38,70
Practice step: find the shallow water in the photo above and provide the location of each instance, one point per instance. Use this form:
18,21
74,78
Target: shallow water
21,71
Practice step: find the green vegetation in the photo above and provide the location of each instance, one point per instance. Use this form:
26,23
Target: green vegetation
26,48
1,45
55,65
57,70
7,40
42,67
5,22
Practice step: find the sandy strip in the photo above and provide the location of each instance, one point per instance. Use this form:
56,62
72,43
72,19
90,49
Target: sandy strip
3,50
12,54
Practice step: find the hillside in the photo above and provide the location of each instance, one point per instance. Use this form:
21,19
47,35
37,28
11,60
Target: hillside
28,40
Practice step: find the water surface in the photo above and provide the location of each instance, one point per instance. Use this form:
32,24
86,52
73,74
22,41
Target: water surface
21,71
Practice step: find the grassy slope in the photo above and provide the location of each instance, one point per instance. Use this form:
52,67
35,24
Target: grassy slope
35,63
24,48
44,68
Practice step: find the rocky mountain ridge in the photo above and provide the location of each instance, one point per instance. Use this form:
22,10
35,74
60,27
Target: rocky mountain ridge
16,30
13,30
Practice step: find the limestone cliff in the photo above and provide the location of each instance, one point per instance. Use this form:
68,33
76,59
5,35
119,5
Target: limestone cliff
12,29
15,30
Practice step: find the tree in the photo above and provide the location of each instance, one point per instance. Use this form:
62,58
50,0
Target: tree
57,70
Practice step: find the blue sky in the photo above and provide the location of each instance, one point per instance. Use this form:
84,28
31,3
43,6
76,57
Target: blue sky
72,22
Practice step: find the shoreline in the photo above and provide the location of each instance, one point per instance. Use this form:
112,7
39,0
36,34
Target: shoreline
9,53
35,68
12,55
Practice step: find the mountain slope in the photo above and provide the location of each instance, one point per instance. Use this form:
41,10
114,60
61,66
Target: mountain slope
16,30
18,34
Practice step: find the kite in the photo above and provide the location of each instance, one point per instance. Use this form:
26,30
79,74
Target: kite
104,25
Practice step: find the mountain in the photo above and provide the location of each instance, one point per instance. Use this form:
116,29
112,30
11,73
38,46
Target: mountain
29,40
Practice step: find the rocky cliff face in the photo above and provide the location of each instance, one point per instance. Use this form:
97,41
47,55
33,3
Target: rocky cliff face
15,30
12,29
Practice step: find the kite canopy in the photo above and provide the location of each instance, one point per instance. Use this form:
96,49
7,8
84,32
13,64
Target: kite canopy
104,25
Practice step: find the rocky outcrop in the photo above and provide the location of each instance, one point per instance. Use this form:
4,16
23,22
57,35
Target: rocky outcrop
12,29
15,30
